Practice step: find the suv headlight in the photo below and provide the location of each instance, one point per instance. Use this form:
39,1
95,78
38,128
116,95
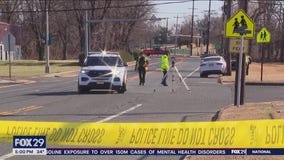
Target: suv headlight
116,73
85,71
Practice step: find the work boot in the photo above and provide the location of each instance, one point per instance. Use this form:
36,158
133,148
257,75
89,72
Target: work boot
164,84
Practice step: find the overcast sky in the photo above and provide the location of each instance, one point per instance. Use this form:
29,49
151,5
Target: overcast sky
183,8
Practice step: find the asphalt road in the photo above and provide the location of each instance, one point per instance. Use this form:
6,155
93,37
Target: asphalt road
56,99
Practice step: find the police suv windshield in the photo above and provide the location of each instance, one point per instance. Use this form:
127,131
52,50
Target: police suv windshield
104,61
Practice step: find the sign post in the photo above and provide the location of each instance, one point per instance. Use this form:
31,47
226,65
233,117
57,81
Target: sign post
263,36
240,71
239,26
9,42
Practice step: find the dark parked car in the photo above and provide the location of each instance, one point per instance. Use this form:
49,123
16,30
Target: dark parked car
234,62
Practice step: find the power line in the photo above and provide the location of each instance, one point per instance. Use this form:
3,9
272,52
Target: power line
99,8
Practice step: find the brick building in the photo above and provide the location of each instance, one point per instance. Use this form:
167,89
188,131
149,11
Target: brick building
10,39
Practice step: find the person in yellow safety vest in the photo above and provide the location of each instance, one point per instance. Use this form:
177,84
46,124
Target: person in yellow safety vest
142,65
165,68
248,62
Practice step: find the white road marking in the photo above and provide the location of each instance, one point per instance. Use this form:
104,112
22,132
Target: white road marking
10,85
182,79
119,114
7,156
190,74
154,63
185,85
100,121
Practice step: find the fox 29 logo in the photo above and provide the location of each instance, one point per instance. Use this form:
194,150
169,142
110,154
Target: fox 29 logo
29,142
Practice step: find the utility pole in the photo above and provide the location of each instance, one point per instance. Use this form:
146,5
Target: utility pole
86,33
176,33
167,31
208,28
282,39
227,10
192,22
47,67
243,4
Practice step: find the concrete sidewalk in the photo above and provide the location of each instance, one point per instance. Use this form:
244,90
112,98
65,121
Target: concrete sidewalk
273,74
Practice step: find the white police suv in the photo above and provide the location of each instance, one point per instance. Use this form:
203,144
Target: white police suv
103,71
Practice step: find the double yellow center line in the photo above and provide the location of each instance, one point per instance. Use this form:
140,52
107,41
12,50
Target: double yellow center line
28,108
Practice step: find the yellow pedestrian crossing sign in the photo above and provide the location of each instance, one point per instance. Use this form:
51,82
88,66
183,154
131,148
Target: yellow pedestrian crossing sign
239,23
263,36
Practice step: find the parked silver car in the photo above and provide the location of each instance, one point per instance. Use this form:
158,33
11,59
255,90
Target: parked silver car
212,65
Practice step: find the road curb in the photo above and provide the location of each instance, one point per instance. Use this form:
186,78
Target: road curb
131,63
216,116
253,83
4,83
9,83
219,80
265,83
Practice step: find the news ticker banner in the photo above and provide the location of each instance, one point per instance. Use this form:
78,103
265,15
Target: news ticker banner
226,134
128,151
36,145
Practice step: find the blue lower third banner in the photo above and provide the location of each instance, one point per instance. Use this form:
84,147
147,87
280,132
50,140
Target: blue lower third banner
142,151
29,145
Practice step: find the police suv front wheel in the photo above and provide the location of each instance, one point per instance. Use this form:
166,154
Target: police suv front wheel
82,90
122,89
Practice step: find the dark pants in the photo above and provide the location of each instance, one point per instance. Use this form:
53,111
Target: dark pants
247,69
165,75
142,74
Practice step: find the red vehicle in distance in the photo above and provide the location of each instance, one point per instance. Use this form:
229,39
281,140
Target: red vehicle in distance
155,51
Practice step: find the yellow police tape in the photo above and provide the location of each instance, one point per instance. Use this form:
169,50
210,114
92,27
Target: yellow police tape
228,134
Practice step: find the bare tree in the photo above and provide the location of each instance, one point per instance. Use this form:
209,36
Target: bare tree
65,32
9,10
67,24
280,28
135,9
101,8
268,14
34,21
80,19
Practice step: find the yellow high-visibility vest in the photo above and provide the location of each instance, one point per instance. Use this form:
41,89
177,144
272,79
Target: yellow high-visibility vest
165,62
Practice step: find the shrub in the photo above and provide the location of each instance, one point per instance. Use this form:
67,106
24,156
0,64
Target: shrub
126,56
